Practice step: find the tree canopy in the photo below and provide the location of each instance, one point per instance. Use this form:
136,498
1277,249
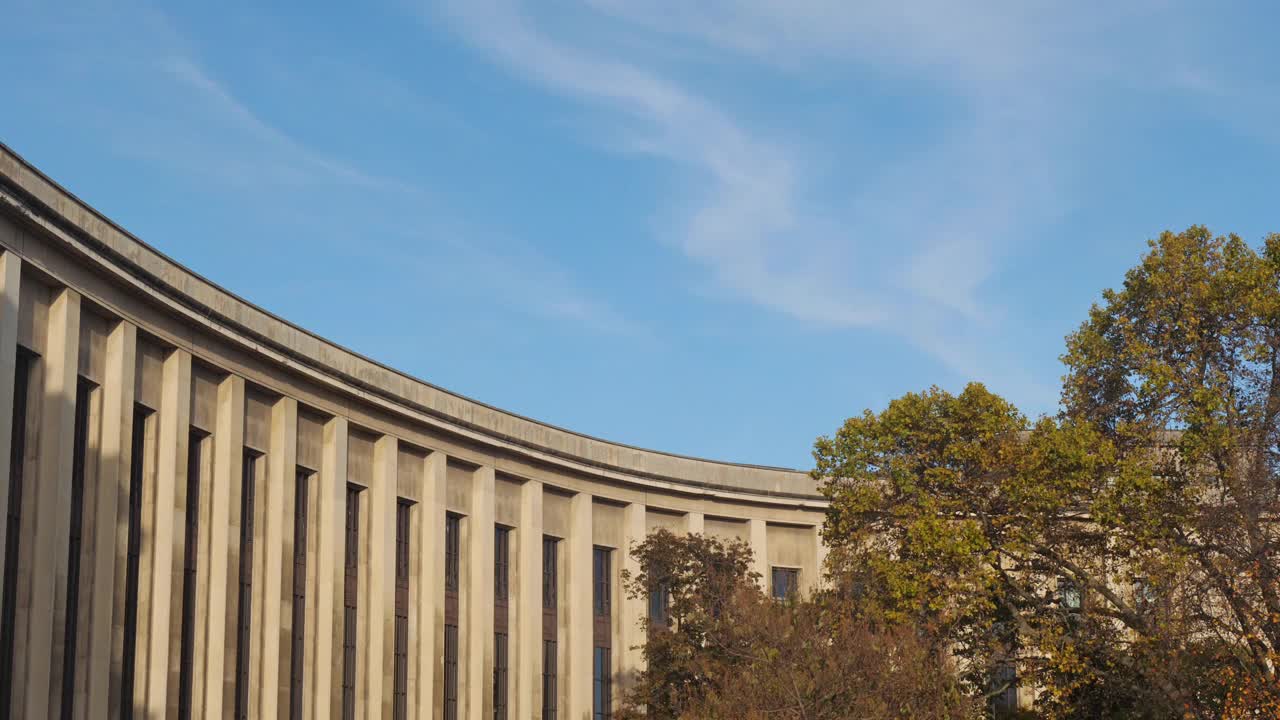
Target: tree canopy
1123,552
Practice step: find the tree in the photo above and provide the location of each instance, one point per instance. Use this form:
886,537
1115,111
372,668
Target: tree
696,576
1122,553
727,650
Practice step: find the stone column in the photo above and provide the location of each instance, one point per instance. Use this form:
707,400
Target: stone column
429,614
171,472
819,560
109,542
331,493
52,517
379,643
527,615
634,611
282,463
577,608
10,282
476,605
760,549
228,467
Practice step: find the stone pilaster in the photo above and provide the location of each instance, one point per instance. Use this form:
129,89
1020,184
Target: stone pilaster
527,606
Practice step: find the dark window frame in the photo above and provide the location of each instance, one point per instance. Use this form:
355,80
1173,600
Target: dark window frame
75,543
13,530
602,683
784,582
298,626
350,601
190,572
400,665
244,605
133,557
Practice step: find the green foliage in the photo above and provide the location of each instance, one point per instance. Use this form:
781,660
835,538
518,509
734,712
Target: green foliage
1154,493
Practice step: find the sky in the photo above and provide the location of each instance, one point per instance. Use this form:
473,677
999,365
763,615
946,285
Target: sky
714,228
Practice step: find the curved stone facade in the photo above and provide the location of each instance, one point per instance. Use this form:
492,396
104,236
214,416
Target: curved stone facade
212,512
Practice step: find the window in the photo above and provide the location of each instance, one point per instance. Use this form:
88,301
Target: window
501,596
602,575
1069,596
17,453
190,553
602,685
244,607
500,666
133,555
549,573
350,603
451,672
786,582
602,673
452,553
501,563
1004,685
1144,594
400,677
549,686
550,629
79,456
659,607
298,628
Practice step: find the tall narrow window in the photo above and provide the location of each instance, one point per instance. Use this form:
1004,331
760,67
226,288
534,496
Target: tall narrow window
602,685
80,450
244,607
550,687
452,531
17,451
133,555
190,551
602,667
660,608
451,672
550,654
602,575
350,605
501,599
400,677
298,628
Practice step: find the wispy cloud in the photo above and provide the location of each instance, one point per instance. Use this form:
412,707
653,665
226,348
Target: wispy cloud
158,101
909,253
294,158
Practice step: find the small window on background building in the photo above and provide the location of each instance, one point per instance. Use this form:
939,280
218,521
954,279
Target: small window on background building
1004,686
786,582
1069,595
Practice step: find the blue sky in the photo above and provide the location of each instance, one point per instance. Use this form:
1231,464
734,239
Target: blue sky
714,228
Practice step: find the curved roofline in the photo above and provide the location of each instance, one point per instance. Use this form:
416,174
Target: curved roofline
135,266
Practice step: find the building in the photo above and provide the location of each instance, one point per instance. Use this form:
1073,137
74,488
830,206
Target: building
211,512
